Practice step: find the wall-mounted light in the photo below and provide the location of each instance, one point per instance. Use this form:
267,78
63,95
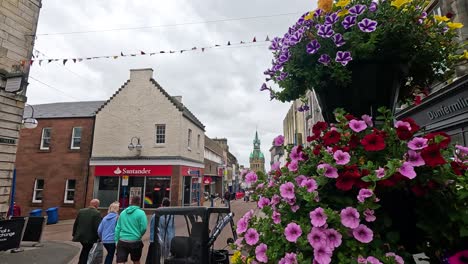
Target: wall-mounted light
30,122
138,146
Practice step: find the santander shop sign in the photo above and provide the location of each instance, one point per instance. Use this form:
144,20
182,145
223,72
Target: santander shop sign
134,170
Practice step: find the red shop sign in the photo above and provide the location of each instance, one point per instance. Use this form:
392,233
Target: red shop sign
207,180
191,171
161,170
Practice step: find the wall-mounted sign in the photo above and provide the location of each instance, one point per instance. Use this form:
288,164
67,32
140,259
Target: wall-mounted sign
133,170
125,180
7,141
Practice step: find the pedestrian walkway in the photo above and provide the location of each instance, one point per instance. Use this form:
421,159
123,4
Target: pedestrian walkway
50,252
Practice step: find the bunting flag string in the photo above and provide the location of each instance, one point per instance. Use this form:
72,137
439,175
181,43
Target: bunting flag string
40,60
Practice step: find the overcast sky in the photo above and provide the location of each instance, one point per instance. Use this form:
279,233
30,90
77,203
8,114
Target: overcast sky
220,86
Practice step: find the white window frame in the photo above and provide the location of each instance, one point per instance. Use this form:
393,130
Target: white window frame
42,138
35,189
156,134
67,189
189,139
73,137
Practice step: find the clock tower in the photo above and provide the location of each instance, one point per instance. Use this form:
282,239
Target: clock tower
257,160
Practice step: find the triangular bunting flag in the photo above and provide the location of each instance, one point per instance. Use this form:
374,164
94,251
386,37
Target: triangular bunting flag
229,43
74,60
267,38
217,45
80,60
88,58
182,51
162,51
171,51
49,61
65,61
40,61
152,53
203,49
133,55
194,48
142,52
115,57
31,62
254,40
242,42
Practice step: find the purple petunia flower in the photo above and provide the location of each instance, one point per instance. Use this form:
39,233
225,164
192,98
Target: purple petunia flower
310,184
341,157
350,217
317,237
333,238
357,125
264,87
260,253
294,208
407,170
398,259
417,143
343,57
318,12
369,215
284,57
357,10
372,260
276,217
313,47
373,7
251,177
293,165
325,31
318,217
349,21
368,120
289,258
278,141
263,202
367,25
300,179
292,232
322,254
414,159
324,59
275,44
329,170
364,194
331,19
287,190
363,234
339,40
380,172
282,76
305,108
242,225
275,166
251,236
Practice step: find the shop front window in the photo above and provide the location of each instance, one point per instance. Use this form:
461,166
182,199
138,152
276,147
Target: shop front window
107,192
135,188
156,189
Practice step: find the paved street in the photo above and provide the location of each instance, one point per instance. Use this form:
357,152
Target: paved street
58,247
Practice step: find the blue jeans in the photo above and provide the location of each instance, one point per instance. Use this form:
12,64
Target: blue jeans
110,247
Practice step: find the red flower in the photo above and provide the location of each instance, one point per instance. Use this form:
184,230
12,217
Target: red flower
345,183
312,138
414,126
373,142
331,137
444,143
431,155
349,117
417,100
403,133
319,127
353,142
418,191
317,149
351,171
393,180
458,168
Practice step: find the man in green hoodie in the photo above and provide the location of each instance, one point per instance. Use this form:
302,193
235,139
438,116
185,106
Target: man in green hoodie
129,230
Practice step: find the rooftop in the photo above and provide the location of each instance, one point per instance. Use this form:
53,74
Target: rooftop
64,109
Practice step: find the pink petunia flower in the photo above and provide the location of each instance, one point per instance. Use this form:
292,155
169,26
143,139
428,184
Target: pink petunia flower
373,260
329,170
361,260
398,259
357,125
238,242
380,173
278,141
293,165
318,217
323,254
275,199
363,234
300,179
251,236
341,157
260,253
292,232
242,225
262,202
462,149
368,120
407,170
275,166
310,184
364,194
369,215
317,237
417,143
289,258
276,217
296,154
287,190
248,214
350,217
251,177
333,238
414,159
403,124
294,208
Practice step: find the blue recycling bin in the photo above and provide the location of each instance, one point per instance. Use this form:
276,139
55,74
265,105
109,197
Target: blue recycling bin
52,215
36,212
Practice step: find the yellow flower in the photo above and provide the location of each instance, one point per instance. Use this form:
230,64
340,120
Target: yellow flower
441,18
309,16
400,3
343,12
236,257
325,5
465,55
452,25
342,3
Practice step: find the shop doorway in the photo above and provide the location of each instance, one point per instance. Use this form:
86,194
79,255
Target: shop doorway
135,188
187,190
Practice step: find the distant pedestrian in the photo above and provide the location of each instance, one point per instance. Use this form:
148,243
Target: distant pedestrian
106,231
85,228
130,228
16,210
227,198
166,232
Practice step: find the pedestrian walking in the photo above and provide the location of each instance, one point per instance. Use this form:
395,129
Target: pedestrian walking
85,229
166,232
129,230
106,231
227,198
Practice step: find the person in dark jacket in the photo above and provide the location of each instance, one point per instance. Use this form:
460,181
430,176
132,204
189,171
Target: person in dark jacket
106,231
85,228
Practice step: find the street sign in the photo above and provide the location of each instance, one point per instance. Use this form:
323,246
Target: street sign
125,180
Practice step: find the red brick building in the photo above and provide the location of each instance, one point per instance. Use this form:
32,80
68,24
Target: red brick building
52,162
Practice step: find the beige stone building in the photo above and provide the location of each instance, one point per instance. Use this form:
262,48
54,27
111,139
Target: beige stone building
146,143
18,23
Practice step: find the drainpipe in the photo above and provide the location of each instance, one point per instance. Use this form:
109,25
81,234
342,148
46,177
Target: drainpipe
88,161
